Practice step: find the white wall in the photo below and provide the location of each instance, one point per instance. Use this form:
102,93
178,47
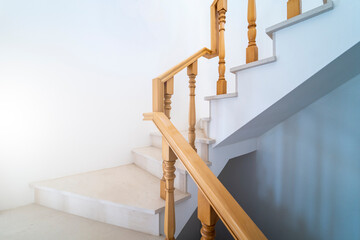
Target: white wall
75,78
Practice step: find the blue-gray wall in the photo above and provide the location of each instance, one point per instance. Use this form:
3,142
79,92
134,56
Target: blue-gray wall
303,182
308,170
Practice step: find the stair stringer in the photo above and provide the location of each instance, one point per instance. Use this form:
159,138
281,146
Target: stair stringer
302,51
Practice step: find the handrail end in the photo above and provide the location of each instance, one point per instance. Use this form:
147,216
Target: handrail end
148,116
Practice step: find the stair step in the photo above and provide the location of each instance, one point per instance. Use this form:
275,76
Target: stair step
300,18
36,222
125,196
150,159
253,64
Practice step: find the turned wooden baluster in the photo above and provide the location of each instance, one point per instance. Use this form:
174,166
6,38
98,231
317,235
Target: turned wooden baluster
208,218
168,92
221,83
252,49
293,8
192,72
169,174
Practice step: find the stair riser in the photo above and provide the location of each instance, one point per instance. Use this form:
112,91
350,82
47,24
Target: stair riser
154,167
204,124
98,210
156,141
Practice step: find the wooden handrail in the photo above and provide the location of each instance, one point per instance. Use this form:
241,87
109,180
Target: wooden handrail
204,52
233,216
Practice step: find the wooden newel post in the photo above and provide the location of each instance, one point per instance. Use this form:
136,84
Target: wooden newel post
158,95
252,49
169,174
208,218
221,87
192,71
168,92
293,8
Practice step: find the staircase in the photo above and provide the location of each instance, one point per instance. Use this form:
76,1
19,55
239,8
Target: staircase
127,196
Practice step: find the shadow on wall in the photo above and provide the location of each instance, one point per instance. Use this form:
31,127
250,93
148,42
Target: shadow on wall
303,182
273,220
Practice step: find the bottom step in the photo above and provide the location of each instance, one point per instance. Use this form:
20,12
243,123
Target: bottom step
125,196
34,222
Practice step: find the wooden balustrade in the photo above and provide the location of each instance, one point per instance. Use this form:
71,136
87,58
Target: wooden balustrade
214,201
192,72
293,8
252,49
224,205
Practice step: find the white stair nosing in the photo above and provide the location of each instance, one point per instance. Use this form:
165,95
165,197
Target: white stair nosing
206,119
206,140
221,96
299,18
253,64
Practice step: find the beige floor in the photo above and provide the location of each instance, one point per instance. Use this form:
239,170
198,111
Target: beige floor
34,222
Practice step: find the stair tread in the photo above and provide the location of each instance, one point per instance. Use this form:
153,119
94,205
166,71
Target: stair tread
128,186
37,222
